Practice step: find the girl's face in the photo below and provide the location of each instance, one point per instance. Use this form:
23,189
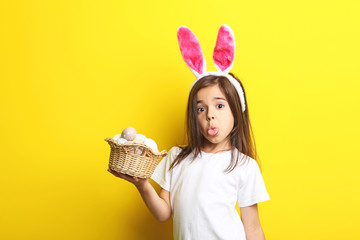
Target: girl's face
215,118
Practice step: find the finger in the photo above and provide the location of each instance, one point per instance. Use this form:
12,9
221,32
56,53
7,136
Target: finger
116,174
123,176
112,171
126,177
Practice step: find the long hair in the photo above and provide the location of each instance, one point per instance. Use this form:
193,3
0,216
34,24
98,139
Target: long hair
241,136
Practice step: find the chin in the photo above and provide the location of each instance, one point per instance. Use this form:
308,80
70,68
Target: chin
213,140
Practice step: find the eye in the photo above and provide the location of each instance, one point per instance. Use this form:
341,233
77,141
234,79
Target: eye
220,105
200,109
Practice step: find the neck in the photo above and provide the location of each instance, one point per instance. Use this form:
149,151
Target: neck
216,147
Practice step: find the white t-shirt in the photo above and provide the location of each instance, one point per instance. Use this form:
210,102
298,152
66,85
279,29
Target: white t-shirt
203,197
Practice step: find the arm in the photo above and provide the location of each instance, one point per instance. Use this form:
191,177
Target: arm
159,205
251,222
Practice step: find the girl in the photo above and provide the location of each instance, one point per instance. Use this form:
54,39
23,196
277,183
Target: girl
202,181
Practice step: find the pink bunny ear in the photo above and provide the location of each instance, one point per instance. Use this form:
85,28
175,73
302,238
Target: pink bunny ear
224,52
191,50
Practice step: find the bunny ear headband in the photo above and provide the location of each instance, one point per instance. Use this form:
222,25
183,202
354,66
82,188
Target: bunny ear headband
224,54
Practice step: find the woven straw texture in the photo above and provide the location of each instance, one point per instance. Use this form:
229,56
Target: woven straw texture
133,159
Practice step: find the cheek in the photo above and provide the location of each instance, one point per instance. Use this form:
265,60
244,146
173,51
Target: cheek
199,120
202,123
229,119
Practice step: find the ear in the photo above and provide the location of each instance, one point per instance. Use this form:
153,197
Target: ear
224,52
191,51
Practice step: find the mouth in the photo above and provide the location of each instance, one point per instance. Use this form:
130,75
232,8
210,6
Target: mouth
212,131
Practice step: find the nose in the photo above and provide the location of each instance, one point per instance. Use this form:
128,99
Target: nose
210,115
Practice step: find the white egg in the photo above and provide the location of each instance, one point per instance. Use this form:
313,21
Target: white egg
116,137
121,140
140,136
152,144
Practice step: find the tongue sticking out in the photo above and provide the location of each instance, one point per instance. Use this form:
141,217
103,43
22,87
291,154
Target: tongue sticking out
213,131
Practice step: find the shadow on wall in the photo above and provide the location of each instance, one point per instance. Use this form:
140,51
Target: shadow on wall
143,225
146,226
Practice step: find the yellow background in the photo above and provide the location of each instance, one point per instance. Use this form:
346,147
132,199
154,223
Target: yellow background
75,72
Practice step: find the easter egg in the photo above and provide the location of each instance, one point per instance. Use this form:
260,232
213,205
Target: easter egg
151,144
131,151
121,140
140,136
129,142
129,133
139,141
135,151
139,151
116,137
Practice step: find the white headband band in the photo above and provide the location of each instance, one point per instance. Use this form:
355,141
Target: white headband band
223,56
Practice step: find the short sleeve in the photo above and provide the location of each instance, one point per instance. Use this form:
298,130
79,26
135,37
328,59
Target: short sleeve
252,187
162,174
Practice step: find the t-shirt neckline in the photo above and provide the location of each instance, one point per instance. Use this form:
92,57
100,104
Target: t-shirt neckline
216,153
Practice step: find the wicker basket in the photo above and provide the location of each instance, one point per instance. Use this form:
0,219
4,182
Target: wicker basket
133,159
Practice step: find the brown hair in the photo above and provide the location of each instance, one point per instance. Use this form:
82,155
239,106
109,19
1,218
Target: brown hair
240,136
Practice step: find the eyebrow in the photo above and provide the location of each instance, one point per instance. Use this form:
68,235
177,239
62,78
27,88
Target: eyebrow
215,98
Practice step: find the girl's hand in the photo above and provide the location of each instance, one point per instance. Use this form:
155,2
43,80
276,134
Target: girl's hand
138,182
